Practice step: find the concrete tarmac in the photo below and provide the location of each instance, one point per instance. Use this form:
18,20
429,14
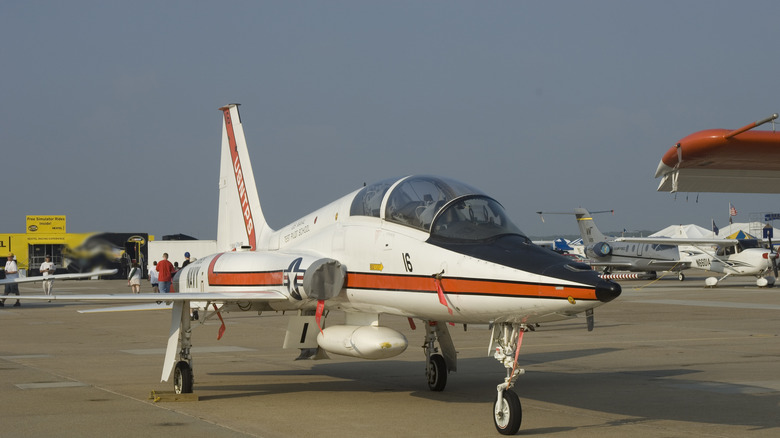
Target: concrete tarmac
667,359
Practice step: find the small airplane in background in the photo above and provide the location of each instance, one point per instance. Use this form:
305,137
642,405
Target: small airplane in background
419,247
610,254
739,257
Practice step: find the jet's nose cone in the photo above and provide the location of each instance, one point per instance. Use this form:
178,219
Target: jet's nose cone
607,291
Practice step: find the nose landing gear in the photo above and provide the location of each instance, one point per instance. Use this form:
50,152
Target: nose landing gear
507,410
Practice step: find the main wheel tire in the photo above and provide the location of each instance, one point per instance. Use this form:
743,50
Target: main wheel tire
437,374
182,378
681,276
508,419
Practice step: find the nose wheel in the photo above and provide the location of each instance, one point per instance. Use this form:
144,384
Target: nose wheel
508,413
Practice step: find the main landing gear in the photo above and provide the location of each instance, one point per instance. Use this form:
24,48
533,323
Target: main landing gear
437,365
183,377
507,410
505,343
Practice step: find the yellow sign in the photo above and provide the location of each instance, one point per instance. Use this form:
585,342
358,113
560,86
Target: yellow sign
46,224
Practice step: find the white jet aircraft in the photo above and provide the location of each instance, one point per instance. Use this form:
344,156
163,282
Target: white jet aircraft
724,256
609,254
420,247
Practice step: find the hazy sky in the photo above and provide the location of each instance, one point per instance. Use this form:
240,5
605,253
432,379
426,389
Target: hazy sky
108,110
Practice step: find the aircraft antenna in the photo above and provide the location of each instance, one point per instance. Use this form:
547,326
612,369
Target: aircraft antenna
751,126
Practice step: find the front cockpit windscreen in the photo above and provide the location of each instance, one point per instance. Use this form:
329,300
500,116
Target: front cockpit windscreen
473,218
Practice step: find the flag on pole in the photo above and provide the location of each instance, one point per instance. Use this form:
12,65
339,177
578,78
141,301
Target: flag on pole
732,210
715,227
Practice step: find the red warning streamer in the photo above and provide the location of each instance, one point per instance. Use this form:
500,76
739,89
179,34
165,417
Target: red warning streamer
222,327
318,314
440,291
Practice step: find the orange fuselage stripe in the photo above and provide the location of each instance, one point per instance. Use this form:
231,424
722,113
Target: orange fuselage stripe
268,278
467,286
411,283
272,278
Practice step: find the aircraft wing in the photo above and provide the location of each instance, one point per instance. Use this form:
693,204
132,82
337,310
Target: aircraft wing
59,277
678,241
668,265
663,265
624,265
216,297
723,161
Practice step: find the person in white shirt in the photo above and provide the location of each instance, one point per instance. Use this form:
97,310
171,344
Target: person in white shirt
47,268
153,277
11,271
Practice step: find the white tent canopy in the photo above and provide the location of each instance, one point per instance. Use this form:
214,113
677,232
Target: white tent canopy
694,231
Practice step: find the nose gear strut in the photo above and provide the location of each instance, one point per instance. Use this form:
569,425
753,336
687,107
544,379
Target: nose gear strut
505,346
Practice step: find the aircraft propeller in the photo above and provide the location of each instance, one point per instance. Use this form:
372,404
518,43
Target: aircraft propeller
773,255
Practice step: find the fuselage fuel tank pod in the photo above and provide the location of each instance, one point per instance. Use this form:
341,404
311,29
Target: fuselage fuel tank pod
362,341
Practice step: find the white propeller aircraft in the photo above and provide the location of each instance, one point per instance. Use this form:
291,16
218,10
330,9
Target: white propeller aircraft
420,247
723,256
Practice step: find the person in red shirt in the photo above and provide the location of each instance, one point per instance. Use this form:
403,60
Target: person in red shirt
164,274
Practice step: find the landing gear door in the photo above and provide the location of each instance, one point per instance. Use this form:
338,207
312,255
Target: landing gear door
301,332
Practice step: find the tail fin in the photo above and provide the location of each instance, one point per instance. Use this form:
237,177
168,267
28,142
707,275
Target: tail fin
241,220
588,230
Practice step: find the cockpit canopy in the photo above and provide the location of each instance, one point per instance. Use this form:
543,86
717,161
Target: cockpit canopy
742,245
444,207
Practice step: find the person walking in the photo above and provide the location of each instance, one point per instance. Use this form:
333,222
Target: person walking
153,277
164,274
47,268
11,272
134,277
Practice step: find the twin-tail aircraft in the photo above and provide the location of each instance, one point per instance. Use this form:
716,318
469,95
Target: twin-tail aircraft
610,254
420,247
738,257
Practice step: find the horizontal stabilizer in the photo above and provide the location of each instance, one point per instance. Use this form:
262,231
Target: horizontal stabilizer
130,308
59,277
217,297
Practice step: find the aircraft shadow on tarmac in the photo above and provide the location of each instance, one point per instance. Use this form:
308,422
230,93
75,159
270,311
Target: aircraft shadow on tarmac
647,395
658,394
465,385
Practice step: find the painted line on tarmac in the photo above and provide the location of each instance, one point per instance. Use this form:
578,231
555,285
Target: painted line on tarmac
161,351
26,356
702,303
728,388
48,385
